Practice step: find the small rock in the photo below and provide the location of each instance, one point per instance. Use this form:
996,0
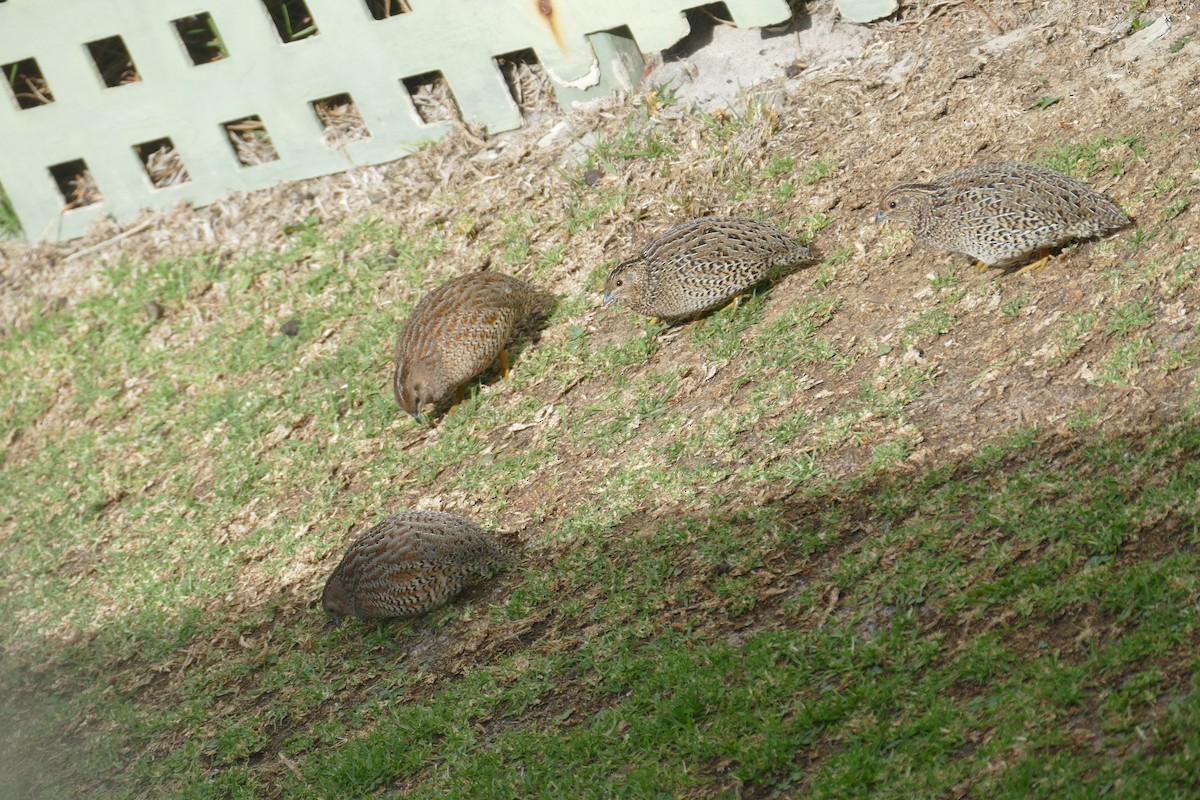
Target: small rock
291,327
559,133
593,176
155,311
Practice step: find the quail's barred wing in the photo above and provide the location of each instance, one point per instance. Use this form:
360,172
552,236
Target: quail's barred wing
455,332
472,310
439,538
715,257
991,223
411,563
724,242
699,264
1003,211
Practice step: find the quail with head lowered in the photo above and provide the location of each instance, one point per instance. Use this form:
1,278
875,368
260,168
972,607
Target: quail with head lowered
699,265
410,563
1002,213
455,332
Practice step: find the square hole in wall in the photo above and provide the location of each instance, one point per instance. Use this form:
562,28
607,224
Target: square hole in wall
383,9
250,141
292,19
527,81
24,79
342,121
432,98
200,38
162,163
113,61
702,22
75,183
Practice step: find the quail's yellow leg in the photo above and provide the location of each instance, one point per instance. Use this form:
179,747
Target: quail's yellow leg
980,266
1036,266
503,358
458,398
732,304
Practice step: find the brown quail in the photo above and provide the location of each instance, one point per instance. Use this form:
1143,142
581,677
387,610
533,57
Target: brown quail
698,265
409,564
1002,213
454,333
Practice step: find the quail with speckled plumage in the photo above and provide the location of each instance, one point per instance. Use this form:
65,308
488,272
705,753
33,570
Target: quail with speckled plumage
699,265
410,563
455,332
1002,213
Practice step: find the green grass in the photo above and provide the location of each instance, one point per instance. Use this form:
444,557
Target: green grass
588,206
10,226
819,170
945,280
778,647
641,138
1072,333
515,244
1082,159
786,552
1174,209
877,694
930,324
774,174
1126,318
1014,305
1124,360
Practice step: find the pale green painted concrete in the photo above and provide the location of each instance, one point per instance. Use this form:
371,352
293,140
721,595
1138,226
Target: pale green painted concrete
867,10
352,53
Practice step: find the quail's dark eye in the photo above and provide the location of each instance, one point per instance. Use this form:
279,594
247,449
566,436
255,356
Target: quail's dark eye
892,204
620,282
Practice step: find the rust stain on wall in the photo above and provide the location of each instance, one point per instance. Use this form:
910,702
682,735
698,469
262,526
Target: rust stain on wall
545,8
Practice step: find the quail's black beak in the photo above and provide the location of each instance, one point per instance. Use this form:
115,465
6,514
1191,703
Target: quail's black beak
880,216
607,300
336,619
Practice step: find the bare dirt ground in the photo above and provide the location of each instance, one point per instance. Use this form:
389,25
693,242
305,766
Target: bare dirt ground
942,86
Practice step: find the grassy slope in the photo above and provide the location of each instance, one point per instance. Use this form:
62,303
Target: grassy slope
758,563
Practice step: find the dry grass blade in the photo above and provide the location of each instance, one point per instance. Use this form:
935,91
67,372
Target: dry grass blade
529,84
434,101
251,142
166,168
83,190
342,121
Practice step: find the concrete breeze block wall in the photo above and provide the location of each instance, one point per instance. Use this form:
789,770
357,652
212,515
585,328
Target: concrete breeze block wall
113,106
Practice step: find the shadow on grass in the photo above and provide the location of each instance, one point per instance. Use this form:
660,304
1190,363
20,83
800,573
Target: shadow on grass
1023,618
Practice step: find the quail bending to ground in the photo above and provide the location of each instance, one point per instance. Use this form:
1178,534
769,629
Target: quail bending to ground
454,333
408,564
1002,213
699,265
